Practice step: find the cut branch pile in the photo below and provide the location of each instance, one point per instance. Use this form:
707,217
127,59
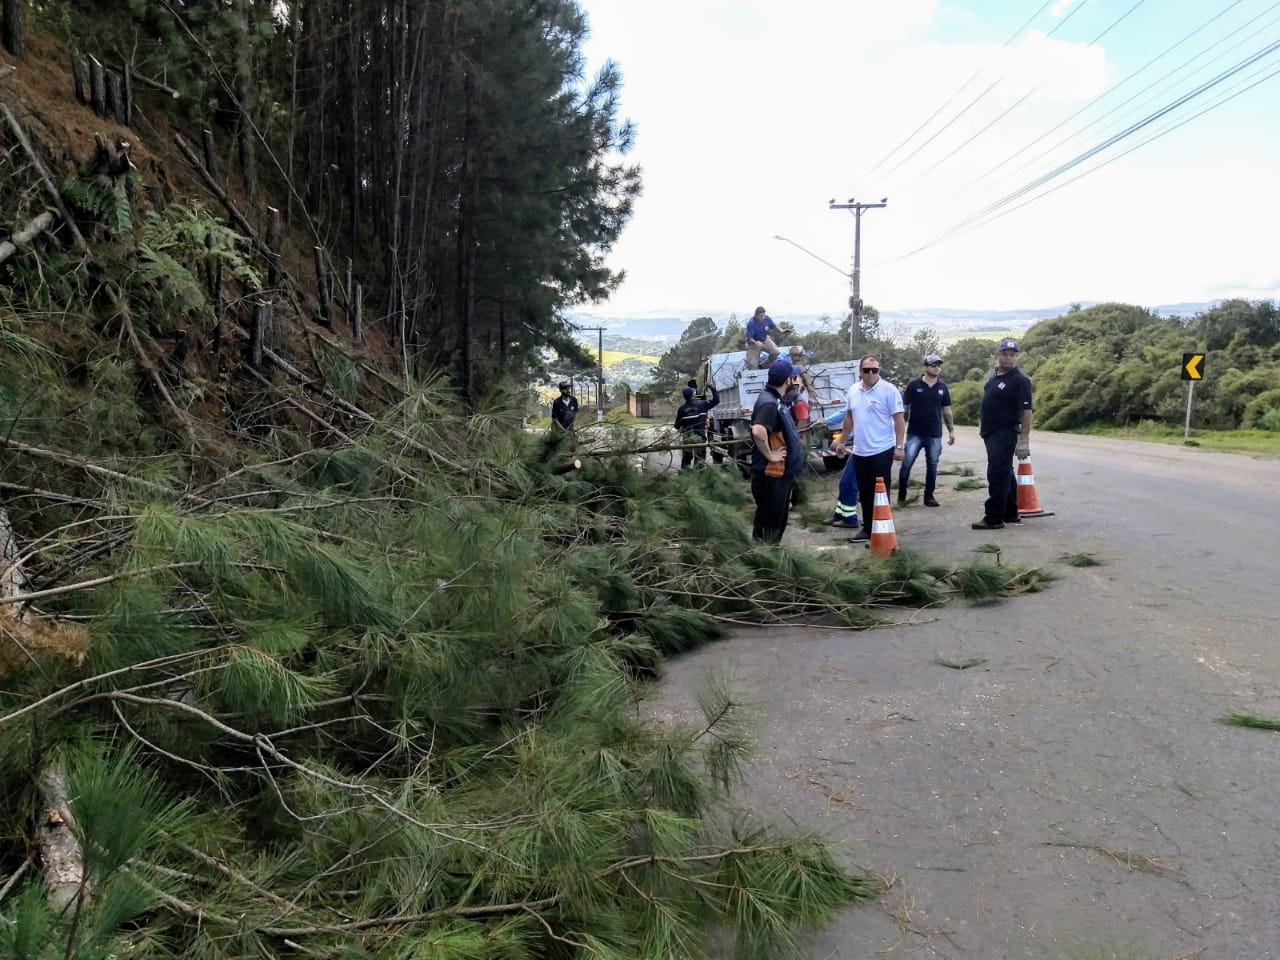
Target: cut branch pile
380,689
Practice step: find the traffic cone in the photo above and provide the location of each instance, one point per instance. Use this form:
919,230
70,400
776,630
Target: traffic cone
884,540
1028,499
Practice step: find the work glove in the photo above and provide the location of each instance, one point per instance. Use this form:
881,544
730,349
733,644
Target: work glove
1023,450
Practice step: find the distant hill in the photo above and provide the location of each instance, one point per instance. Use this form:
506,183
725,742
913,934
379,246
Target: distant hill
657,330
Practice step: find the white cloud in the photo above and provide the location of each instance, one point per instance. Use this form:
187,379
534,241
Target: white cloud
751,115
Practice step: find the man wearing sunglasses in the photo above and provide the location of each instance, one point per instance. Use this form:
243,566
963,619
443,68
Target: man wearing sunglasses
873,412
1004,423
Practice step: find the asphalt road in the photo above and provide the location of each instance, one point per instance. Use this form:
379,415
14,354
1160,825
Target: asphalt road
1075,796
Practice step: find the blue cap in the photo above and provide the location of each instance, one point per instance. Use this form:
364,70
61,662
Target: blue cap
688,393
1008,345
780,369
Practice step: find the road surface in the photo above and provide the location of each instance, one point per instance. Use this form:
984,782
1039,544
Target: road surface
1075,796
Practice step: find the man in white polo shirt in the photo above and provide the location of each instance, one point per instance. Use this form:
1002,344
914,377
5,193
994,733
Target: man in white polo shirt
873,412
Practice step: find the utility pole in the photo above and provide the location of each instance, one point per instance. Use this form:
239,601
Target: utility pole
855,278
600,376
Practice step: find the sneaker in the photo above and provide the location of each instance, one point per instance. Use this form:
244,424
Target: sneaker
862,536
902,498
841,522
931,502
1013,520
985,524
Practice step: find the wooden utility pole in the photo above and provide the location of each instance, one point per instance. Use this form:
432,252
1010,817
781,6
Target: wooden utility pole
855,278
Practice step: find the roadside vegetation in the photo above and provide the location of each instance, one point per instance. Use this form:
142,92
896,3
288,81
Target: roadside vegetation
1112,369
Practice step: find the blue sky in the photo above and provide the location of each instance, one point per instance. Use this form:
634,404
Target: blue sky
752,114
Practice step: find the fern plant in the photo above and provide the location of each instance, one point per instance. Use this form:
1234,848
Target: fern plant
173,247
103,200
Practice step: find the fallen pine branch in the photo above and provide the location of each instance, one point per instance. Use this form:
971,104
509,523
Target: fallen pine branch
153,84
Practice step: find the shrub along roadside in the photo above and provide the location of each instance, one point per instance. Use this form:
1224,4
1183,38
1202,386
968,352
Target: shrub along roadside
383,700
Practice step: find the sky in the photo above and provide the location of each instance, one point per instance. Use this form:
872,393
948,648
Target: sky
751,115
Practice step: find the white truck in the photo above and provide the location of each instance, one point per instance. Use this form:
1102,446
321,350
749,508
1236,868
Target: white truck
739,387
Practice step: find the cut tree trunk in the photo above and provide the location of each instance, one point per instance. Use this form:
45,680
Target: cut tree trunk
79,78
115,98
64,876
323,287
97,87
25,235
210,152
13,28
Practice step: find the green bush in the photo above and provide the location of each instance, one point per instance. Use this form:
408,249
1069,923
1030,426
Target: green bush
1263,411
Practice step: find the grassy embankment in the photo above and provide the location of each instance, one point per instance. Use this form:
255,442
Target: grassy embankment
1258,443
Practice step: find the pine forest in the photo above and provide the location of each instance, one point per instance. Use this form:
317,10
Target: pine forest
307,648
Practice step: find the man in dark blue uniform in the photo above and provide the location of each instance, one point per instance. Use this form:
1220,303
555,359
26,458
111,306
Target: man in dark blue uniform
1005,427
564,410
777,456
691,421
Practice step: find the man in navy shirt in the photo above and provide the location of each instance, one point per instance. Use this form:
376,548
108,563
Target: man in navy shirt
776,454
564,410
691,421
927,403
758,339
1005,427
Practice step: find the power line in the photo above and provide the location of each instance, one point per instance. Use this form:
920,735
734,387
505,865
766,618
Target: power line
960,89
976,100
1017,103
983,214
1106,93
1157,82
1124,153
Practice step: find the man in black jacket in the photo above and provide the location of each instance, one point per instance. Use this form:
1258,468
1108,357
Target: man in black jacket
1004,423
691,421
564,410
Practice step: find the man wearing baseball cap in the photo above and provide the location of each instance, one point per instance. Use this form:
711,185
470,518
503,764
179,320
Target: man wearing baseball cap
926,401
776,454
564,410
1004,423
691,421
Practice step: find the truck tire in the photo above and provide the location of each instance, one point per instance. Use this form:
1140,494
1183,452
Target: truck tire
834,463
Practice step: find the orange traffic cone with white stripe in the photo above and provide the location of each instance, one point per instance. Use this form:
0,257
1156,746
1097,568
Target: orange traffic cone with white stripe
884,539
1028,499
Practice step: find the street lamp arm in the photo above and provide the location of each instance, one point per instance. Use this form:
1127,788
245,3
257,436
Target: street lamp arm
843,273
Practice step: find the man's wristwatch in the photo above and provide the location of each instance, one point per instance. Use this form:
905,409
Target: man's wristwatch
900,447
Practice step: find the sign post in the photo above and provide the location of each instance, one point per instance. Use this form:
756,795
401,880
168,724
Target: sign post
1192,370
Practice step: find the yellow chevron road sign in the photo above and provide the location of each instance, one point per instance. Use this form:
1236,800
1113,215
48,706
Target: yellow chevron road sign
1193,366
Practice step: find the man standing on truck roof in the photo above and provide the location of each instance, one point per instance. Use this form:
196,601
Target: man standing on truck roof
758,339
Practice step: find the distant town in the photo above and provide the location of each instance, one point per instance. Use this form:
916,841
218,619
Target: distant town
660,329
